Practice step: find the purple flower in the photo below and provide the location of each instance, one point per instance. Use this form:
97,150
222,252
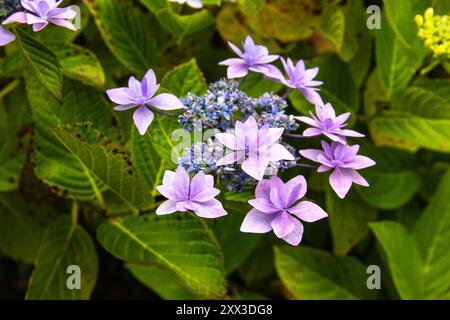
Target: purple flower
275,209
254,58
6,36
344,160
257,146
328,124
300,78
140,94
41,12
184,194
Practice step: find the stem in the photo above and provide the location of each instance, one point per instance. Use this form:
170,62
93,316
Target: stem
242,80
287,93
74,212
293,135
162,112
308,166
10,87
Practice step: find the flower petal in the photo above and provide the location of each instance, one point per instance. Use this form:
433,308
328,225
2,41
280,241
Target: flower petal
312,96
237,70
308,211
295,237
312,154
351,133
19,17
283,225
232,157
142,117
359,162
264,205
167,207
166,101
63,23
209,209
295,189
263,189
6,36
308,120
312,132
341,181
255,166
257,222
229,140
119,96
279,152
124,107
181,183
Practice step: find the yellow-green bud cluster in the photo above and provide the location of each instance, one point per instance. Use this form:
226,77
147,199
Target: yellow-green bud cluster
435,31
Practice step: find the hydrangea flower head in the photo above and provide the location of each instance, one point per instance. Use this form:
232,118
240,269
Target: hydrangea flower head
40,12
256,147
254,58
344,162
197,4
184,194
300,78
6,36
328,124
142,94
276,208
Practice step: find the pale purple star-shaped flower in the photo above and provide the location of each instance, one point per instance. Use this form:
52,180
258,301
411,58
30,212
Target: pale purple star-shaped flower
183,194
256,147
276,208
6,37
343,159
300,78
142,94
255,58
328,124
40,12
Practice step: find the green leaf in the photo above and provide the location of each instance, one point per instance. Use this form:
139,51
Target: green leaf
14,126
65,244
22,227
127,32
431,101
236,245
403,258
182,244
56,165
255,85
185,78
349,220
392,62
164,134
42,62
250,7
161,281
357,20
155,5
427,133
335,26
107,163
433,238
400,15
279,19
314,274
184,25
149,165
80,64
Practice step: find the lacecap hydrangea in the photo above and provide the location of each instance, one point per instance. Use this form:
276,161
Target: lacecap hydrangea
248,149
